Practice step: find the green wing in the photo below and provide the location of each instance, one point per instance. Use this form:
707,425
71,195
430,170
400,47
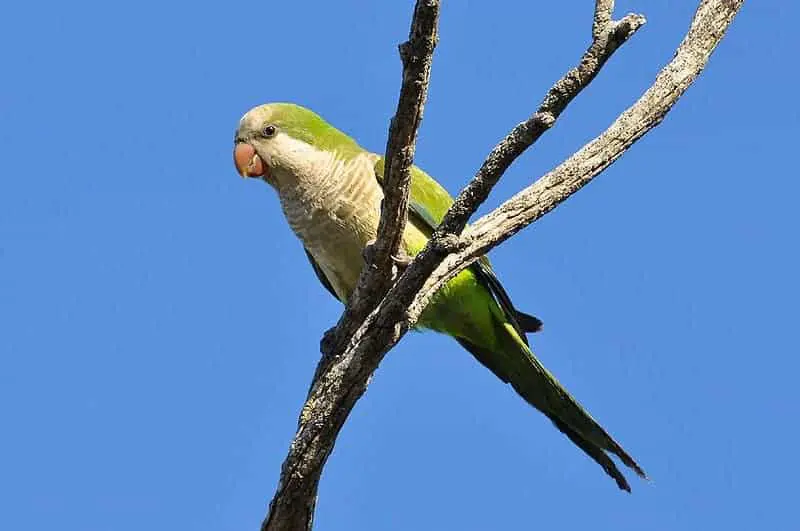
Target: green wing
427,199
428,202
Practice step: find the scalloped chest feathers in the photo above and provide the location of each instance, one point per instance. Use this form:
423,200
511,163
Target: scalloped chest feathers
333,206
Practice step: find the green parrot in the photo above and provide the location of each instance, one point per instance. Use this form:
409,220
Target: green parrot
330,190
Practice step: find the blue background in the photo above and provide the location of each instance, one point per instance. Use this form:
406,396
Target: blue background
159,324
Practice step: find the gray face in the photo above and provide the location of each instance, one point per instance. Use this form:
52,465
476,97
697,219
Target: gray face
251,152
262,149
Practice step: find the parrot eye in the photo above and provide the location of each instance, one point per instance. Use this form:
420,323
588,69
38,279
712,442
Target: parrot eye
269,131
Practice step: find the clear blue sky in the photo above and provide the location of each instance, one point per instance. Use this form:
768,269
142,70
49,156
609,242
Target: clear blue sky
159,322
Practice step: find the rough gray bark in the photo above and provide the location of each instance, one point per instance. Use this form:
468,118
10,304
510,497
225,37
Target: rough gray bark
353,356
380,270
292,507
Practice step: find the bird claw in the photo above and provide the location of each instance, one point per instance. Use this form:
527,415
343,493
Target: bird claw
328,342
403,260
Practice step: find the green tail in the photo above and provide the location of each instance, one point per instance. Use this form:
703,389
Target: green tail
514,363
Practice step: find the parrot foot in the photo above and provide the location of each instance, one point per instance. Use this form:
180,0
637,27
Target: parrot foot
369,251
328,341
401,260
326,346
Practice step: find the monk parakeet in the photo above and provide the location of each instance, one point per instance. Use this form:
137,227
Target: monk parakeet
330,192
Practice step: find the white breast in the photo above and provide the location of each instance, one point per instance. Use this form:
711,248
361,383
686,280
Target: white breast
333,207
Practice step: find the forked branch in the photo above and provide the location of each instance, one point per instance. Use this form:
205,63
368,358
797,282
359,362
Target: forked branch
708,26
359,345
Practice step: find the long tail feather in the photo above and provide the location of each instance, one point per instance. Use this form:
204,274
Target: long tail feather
541,389
516,364
596,453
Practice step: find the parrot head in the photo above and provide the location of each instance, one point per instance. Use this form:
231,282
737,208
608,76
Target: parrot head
277,140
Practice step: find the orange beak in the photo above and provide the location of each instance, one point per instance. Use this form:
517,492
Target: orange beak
247,161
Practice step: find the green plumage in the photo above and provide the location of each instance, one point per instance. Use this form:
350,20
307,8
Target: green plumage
480,316
473,307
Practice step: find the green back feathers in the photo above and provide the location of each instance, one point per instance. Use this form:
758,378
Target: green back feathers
427,198
428,202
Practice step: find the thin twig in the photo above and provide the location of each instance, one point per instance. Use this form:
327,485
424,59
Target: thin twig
603,11
707,29
610,35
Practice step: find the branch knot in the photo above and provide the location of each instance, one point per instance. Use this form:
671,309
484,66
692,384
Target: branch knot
447,243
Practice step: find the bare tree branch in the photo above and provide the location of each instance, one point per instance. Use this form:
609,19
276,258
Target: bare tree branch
706,31
603,12
354,357
293,504
379,270
610,36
